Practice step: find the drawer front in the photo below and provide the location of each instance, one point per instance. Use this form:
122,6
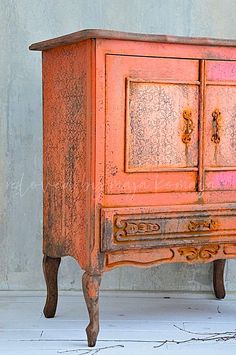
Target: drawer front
124,229
152,114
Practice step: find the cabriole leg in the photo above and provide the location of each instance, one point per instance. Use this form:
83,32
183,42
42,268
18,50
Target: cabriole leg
91,284
218,278
50,269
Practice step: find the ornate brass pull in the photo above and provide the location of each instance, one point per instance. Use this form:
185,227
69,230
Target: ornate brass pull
202,225
216,114
188,126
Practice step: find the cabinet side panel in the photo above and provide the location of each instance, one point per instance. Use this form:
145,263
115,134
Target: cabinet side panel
67,113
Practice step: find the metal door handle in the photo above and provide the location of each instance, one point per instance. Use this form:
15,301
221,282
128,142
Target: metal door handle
188,126
216,118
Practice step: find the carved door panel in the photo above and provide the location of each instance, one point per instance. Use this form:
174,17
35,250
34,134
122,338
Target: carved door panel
220,126
152,109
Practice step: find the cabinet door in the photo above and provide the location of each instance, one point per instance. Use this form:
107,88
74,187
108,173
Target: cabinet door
220,126
152,109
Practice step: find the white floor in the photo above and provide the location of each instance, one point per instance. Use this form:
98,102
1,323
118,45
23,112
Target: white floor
131,323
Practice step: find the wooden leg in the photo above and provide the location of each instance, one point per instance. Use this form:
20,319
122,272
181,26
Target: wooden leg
91,284
50,269
218,278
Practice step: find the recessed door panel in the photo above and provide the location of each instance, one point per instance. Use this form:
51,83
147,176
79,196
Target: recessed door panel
220,126
155,126
152,113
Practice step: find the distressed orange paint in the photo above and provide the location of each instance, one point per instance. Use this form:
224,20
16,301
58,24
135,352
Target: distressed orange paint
67,191
139,154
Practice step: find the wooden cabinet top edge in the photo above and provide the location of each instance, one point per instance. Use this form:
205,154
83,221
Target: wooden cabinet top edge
82,35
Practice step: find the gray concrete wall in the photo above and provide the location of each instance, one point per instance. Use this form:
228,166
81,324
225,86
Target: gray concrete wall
23,22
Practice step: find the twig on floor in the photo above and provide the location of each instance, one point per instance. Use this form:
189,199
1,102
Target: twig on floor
225,336
89,351
215,333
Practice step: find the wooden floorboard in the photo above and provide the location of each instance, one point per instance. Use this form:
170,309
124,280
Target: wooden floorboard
130,324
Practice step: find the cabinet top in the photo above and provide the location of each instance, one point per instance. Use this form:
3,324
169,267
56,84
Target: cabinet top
128,36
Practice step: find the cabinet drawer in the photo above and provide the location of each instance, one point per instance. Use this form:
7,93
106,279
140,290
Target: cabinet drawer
123,228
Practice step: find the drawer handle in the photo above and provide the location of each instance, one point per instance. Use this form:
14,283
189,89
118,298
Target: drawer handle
188,126
202,225
216,118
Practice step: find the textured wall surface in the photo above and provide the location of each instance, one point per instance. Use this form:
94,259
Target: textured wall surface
23,22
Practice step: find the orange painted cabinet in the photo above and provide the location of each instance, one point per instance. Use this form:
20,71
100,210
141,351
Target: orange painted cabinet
139,155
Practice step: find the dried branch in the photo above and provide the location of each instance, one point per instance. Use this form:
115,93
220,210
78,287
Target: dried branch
224,336
215,333
90,351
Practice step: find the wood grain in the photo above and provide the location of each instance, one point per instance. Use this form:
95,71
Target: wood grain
128,36
50,268
91,284
218,278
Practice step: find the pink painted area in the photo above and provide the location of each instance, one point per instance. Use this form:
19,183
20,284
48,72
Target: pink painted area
221,70
220,180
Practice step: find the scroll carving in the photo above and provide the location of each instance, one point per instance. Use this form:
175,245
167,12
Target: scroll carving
202,225
126,229
193,253
140,261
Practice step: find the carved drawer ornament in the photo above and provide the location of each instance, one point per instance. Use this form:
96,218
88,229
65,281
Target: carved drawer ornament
193,253
125,228
202,225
